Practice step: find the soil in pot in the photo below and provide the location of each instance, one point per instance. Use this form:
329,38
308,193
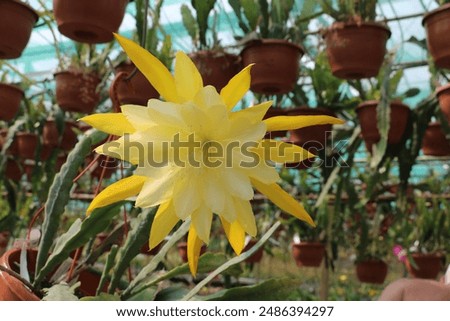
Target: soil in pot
276,67
136,90
77,91
216,68
437,25
434,141
367,116
27,144
372,271
257,256
16,23
11,289
356,51
428,265
89,21
443,95
10,98
309,254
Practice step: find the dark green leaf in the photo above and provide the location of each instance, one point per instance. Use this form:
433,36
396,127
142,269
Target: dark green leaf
270,290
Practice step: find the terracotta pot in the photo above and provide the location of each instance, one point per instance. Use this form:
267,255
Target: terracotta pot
10,98
371,271
356,51
308,254
443,95
50,134
137,90
437,25
312,138
11,289
274,112
77,91
434,141
367,116
276,67
27,144
216,68
12,170
182,251
69,137
89,281
16,23
257,256
89,21
429,265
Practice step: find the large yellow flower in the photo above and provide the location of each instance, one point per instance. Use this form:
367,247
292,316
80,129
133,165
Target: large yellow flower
195,157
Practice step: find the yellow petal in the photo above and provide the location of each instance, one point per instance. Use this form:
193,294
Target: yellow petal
187,78
154,70
111,123
295,122
281,152
235,234
164,221
194,246
254,113
118,191
158,190
283,200
201,220
236,88
245,216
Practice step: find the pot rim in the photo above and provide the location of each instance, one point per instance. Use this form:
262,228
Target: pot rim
13,87
440,9
364,24
371,103
273,41
28,7
440,90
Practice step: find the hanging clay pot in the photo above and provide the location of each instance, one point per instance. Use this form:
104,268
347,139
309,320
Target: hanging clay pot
50,134
443,95
16,23
11,289
69,136
27,144
437,25
356,50
371,271
77,91
89,21
434,141
428,265
137,90
257,256
10,98
309,254
216,68
276,68
367,116
274,112
12,170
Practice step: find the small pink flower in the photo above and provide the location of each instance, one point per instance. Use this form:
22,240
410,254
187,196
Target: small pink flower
400,253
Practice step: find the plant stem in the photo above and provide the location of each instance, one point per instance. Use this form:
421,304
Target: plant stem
233,261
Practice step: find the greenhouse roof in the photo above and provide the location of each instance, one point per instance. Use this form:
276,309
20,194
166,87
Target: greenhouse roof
404,18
